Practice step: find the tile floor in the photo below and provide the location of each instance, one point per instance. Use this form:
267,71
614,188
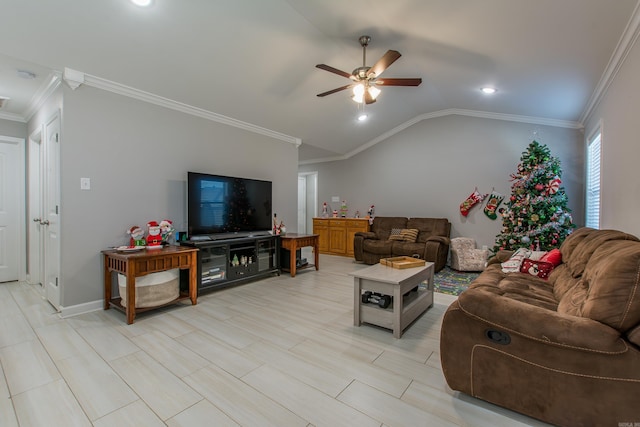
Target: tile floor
277,352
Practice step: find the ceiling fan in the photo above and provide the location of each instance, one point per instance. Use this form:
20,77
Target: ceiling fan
365,79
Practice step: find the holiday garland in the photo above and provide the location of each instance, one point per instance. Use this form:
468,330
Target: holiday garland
536,215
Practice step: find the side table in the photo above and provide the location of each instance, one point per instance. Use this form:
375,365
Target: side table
135,264
293,241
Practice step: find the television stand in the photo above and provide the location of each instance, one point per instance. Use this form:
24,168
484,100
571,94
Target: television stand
231,261
199,238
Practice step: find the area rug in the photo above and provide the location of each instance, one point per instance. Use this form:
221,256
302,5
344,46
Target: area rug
453,282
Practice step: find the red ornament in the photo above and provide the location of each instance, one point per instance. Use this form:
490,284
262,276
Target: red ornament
539,187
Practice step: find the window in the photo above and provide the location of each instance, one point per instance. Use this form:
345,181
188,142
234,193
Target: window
593,181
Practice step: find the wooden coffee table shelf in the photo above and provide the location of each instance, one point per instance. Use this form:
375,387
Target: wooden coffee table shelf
396,282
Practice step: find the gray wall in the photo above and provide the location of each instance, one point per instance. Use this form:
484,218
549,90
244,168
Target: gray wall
618,113
428,169
137,156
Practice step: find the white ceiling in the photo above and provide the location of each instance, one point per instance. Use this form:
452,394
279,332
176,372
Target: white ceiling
254,60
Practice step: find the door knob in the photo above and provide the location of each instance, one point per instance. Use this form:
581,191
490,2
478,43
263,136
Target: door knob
45,222
37,220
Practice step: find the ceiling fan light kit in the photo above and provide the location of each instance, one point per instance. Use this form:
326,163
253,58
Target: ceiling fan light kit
366,78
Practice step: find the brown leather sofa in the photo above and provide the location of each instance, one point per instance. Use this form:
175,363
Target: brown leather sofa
565,350
432,243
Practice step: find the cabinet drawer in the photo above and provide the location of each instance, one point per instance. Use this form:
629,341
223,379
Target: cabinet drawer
338,223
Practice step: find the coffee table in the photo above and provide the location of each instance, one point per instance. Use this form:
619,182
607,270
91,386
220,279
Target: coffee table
396,282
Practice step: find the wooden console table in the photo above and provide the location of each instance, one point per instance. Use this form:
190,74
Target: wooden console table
135,264
336,234
293,241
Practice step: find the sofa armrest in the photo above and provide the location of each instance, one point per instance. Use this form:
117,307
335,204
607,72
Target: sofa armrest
500,257
540,324
366,234
440,239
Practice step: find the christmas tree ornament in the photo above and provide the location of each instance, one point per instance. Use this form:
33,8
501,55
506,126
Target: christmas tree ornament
525,239
554,185
539,187
493,201
473,199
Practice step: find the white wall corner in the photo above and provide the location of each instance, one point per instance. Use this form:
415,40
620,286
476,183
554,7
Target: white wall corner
73,78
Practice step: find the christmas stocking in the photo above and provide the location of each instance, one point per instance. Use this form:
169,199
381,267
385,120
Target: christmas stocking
470,202
494,201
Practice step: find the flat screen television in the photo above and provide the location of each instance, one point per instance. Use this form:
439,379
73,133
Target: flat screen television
226,205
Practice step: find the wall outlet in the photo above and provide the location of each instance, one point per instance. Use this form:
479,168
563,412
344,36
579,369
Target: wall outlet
484,247
85,183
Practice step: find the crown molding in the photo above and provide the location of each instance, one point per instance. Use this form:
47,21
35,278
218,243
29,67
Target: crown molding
41,96
76,78
625,44
449,112
13,117
38,99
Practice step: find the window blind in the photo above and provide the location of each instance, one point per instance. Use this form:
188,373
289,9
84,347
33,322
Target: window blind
593,182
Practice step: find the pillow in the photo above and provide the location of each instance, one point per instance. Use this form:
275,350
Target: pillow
410,234
539,269
554,257
404,235
395,234
512,265
537,255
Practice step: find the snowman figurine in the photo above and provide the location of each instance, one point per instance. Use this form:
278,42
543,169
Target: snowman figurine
154,238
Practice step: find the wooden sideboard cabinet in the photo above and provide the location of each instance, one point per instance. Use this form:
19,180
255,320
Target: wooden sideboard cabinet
336,234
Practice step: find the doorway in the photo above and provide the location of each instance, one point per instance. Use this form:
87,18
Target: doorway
44,209
307,200
35,264
12,234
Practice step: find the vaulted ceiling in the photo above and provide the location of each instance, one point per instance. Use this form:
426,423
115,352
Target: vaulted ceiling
254,60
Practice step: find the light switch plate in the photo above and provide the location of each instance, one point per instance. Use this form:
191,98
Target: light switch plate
85,183
335,199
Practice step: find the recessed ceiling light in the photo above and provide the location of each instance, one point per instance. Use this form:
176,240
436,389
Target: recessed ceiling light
362,117
488,90
143,3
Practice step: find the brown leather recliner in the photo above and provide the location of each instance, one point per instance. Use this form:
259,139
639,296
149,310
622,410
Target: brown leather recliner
565,350
431,245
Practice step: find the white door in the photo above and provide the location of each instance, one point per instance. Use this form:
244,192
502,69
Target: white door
302,204
52,212
36,213
11,186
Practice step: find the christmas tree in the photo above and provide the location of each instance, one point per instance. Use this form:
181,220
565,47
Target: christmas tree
536,214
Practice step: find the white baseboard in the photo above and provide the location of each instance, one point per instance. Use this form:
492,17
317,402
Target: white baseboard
86,307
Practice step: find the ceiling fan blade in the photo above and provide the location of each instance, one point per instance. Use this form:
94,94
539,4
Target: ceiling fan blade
338,89
387,59
399,82
334,70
